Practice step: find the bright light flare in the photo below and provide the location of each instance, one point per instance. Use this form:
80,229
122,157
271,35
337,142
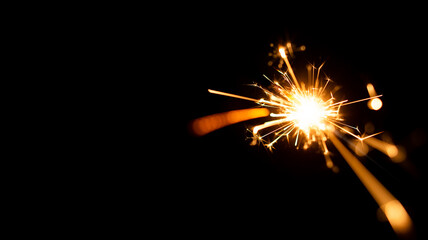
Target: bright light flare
282,52
300,111
375,104
309,113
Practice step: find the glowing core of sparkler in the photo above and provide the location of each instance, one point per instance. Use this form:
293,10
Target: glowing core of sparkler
300,108
309,113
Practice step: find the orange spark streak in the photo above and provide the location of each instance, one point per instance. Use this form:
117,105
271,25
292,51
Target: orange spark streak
361,100
392,151
303,114
290,69
371,90
232,95
260,101
207,124
394,211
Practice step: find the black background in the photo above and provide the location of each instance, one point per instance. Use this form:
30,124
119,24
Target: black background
137,76
220,185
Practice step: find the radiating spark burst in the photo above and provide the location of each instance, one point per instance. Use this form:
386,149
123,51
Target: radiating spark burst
301,113
309,113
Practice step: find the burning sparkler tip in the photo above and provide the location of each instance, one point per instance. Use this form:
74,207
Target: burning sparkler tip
282,52
305,112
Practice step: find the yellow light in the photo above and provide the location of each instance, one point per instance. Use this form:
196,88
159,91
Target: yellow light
299,108
282,52
375,104
309,113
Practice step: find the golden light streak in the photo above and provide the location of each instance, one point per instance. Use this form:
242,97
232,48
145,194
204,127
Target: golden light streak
289,68
397,217
304,112
329,163
259,101
310,114
371,90
232,95
360,148
207,124
376,189
352,134
395,153
386,148
361,100
394,211
256,129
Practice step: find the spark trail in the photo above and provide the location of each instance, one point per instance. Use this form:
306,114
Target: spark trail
307,114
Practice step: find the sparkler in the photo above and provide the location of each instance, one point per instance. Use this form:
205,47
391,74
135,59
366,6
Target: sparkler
306,114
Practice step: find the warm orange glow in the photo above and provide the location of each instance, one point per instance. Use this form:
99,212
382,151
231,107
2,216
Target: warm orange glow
303,112
395,153
397,217
375,104
392,151
371,90
394,211
207,124
309,113
401,155
376,189
289,68
232,95
361,149
282,52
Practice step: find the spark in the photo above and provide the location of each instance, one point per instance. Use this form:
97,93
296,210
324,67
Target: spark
375,103
394,211
232,95
207,124
310,114
304,113
396,153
